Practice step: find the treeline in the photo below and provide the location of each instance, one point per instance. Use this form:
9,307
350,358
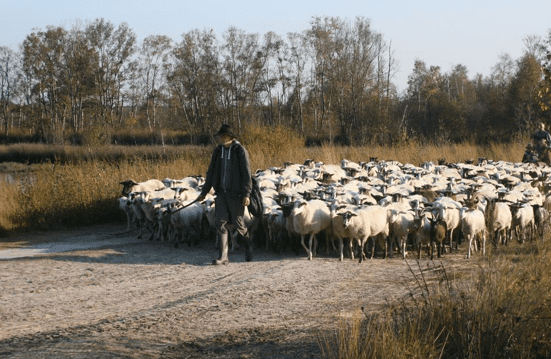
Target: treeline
330,82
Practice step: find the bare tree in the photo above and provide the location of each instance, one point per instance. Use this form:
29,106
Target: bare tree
154,56
9,75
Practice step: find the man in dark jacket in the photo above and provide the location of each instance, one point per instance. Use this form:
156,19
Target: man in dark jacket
229,174
542,141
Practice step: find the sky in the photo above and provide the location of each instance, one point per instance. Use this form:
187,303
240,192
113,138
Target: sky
473,33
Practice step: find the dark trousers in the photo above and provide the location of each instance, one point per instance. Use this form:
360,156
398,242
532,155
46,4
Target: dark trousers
230,210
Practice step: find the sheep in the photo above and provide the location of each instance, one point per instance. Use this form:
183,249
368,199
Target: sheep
310,218
522,221
276,228
135,199
498,221
364,223
185,193
186,221
150,203
124,204
401,224
146,186
449,211
437,236
541,219
269,206
338,230
421,233
473,224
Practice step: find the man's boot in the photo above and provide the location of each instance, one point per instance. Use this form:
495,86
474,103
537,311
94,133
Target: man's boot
249,248
223,259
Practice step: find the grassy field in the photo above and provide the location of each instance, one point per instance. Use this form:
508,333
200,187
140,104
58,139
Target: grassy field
75,186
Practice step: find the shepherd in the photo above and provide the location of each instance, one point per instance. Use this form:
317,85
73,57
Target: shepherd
229,174
542,141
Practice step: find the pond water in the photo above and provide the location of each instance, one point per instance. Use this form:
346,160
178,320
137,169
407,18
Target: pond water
14,178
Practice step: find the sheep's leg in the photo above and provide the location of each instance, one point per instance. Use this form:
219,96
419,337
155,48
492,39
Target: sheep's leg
483,243
403,243
153,230
391,241
361,255
269,238
469,241
313,241
351,247
304,246
128,221
373,245
341,245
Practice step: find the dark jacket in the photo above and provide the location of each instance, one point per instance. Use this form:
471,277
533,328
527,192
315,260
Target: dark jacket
237,179
542,135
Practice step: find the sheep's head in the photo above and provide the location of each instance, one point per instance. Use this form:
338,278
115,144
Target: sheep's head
347,217
127,186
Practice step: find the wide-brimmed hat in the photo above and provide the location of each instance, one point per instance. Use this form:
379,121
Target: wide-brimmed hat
225,130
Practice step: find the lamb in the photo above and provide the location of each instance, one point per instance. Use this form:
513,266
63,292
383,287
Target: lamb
371,221
147,186
310,218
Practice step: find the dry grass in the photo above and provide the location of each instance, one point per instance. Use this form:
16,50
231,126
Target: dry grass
503,311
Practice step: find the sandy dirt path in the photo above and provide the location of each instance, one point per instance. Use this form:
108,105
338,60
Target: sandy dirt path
97,293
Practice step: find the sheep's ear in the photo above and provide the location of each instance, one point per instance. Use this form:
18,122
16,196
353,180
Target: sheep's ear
302,204
353,214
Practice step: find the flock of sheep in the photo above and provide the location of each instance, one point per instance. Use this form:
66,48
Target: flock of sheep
374,207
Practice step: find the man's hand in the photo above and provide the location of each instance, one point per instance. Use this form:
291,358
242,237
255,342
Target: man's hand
246,201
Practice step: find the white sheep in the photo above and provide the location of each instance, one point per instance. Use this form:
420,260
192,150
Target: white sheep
401,225
498,221
421,233
365,223
338,229
124,204
309,219
449,211
473,224
146,186
523,220
186,221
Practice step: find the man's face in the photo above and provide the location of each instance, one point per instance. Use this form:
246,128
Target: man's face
224,139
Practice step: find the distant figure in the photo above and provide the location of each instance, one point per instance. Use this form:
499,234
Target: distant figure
530,156
542,139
